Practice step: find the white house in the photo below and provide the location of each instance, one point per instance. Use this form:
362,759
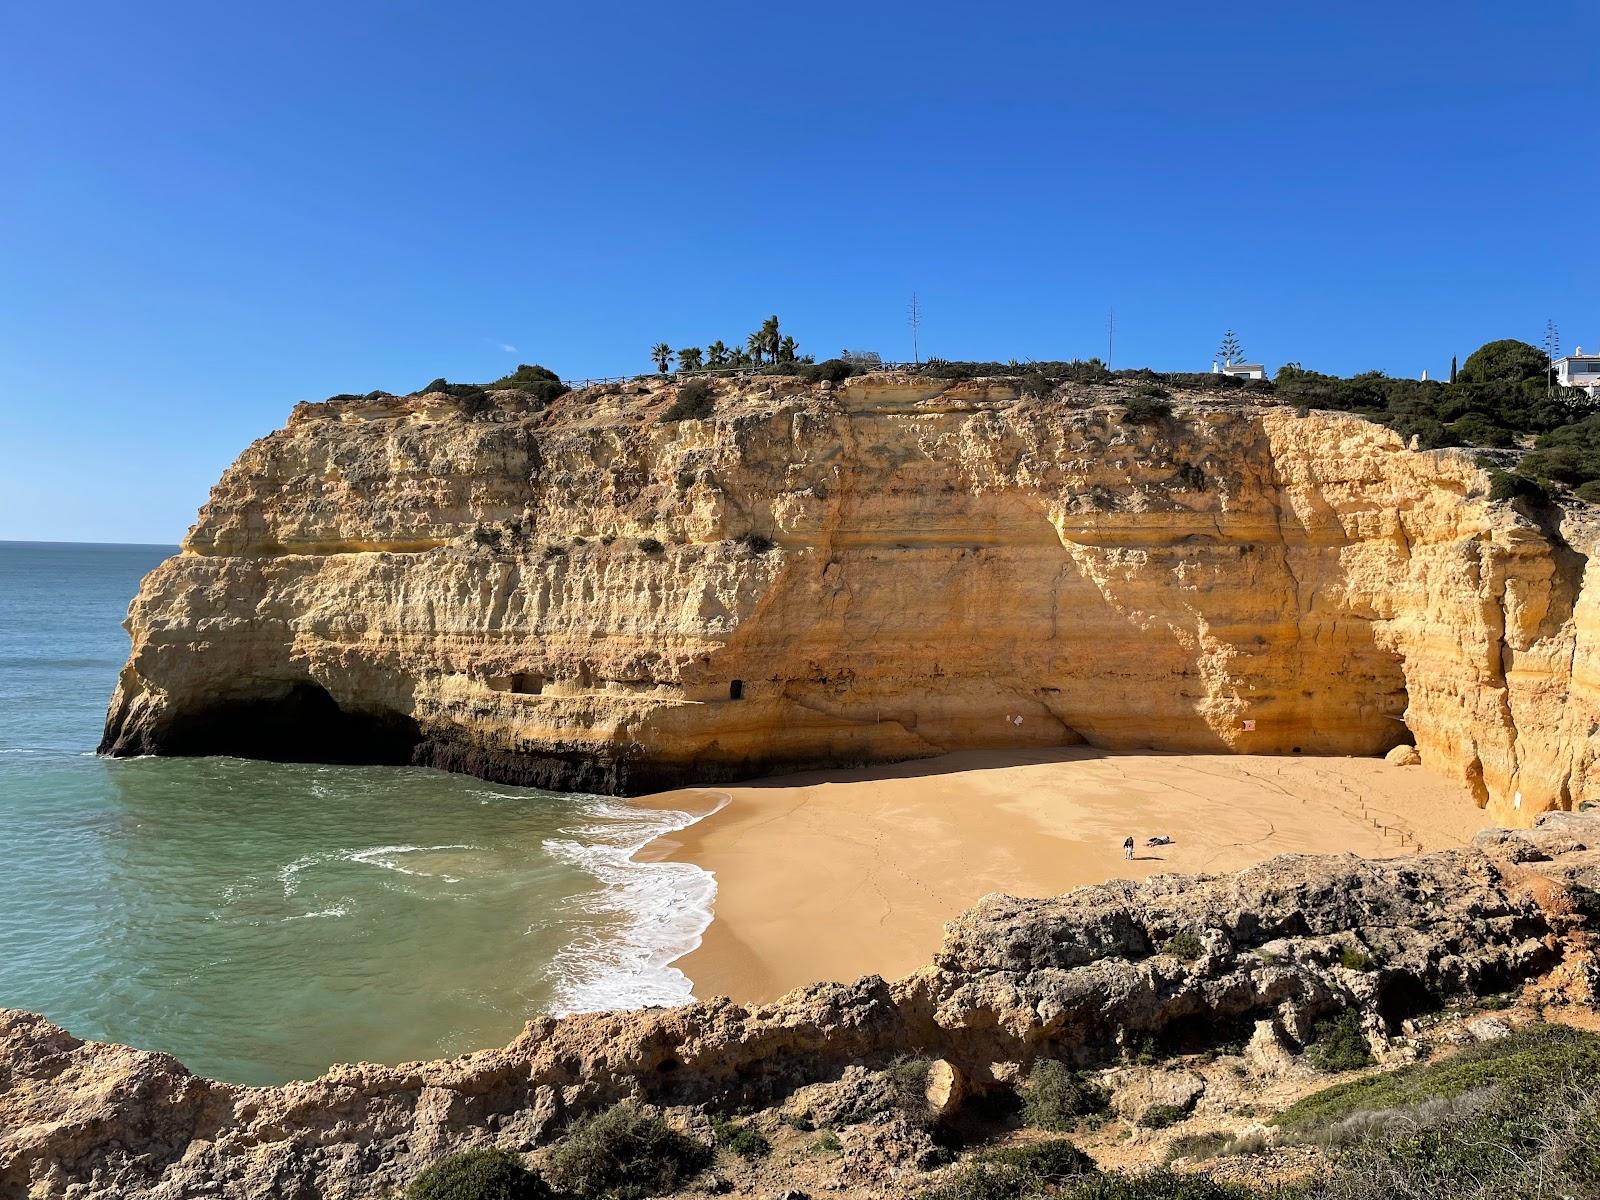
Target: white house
1240,370
1579,370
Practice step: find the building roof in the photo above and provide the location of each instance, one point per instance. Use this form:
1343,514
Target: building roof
1257,366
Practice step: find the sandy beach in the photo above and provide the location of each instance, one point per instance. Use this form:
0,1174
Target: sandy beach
832,875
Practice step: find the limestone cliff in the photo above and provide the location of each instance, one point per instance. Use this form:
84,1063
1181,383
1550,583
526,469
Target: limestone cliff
582,595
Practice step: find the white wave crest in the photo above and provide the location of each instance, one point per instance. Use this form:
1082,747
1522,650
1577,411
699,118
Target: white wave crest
665,906
372,856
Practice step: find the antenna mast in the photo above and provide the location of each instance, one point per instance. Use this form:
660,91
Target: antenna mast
914,317
1111,332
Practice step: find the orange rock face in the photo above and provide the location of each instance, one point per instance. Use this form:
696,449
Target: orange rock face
583,595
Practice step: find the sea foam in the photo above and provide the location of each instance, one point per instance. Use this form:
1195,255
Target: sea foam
648,914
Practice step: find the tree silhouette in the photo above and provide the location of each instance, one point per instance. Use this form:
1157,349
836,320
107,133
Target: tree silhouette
662,353
716,354
1230,351
689,358
787,349
756,344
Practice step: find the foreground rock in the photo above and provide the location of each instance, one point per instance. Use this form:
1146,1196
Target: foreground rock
1250,961
583,595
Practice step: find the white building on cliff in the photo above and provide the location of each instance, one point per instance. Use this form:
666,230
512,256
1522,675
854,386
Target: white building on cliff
1579,370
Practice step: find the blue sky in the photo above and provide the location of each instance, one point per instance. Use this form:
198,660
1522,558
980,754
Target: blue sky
211,211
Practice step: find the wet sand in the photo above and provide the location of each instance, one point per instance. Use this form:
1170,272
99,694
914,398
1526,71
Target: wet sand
833,875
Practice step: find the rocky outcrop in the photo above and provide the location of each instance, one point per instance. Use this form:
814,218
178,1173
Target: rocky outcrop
1180,963
583,595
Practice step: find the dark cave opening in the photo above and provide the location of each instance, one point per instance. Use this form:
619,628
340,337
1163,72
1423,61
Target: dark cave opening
305,724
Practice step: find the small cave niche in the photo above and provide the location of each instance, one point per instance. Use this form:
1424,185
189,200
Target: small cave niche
522,683
736,690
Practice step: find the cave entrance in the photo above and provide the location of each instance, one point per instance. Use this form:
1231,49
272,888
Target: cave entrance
736,690
301,724
527,685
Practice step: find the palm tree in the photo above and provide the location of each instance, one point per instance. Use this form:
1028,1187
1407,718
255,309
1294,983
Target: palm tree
756,344
662,353
787,349
738,357
689,358
769,335
716,354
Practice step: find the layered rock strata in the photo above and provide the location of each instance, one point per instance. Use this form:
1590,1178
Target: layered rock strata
1178,963
586,596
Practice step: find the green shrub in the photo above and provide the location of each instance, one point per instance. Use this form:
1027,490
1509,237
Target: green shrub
828,1143
1338,1043
1056,1098
1015,1173
1155,1185
1037,385
1185,945
694,402
1354,958
980,1180
624,1153
743,1139
907,1086
1505,361
832,370
1569,455
543,384
1532,1061
1589,492
1053,1161
1153,391
1475,429
650,545
1161,1116
1146,410
478,1175
1513,485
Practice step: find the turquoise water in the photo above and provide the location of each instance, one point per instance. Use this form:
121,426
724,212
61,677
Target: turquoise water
262,921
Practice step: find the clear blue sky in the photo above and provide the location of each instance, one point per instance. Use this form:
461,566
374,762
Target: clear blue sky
211,211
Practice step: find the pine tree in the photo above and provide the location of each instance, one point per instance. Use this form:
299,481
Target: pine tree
1230,351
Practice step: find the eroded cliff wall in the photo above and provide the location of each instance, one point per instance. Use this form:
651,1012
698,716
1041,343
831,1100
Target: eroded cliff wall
583,595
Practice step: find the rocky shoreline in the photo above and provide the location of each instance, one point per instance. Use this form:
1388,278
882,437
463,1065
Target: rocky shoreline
1243,966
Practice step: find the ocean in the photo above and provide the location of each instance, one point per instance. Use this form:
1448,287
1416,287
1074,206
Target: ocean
263,921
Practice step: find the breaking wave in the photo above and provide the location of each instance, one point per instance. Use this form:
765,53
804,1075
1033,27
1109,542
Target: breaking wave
645,916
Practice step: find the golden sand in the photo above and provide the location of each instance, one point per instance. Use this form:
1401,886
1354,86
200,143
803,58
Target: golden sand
833,875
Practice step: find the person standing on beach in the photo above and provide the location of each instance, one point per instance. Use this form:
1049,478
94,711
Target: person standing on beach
1127,847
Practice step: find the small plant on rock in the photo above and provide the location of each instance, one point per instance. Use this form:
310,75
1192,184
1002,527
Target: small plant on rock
1353,958
1186,946
625,1153
694,402
650,545
1338,1043
1057,1098
744,1139
478,1175
1161,1116
1146,410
